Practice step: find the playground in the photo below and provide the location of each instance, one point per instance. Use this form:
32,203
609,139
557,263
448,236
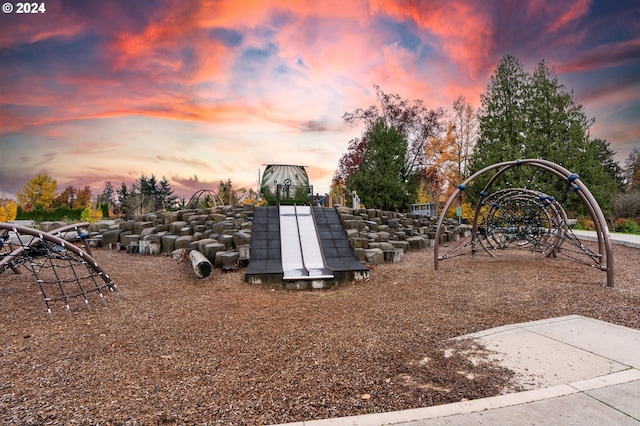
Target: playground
169,348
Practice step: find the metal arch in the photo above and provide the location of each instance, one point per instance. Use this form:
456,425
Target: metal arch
195,198
602,230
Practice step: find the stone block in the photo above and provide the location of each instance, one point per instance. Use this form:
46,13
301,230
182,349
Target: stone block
211,249
139,226
353,224
126,226
202,244
111,238
227,240
150,244
131,243
394,255
374,256
148,231
170,217
218,217
176,226
241,238
399,236
404,245
359,254
183,242
416,243
220,227
227,260
353,233
344,210
168,243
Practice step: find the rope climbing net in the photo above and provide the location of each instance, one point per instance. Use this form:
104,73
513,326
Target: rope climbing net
63,271
521,205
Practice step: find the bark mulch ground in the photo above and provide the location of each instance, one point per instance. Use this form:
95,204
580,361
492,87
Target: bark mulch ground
174,349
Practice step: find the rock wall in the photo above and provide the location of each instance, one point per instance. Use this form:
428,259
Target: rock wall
378,236
223,234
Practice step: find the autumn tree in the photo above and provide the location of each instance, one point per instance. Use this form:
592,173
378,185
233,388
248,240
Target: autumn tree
38,192
65,198
83,198
8,210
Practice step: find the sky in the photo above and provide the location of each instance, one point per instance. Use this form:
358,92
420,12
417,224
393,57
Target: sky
203,91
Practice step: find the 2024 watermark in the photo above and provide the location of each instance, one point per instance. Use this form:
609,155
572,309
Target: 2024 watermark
24,8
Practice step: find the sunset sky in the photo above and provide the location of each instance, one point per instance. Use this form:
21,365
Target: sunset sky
204,91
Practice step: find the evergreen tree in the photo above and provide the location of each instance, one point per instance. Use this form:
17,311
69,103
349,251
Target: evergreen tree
384,180
534,116
502,116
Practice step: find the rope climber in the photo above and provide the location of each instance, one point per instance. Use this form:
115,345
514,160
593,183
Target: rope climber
62,270
515,209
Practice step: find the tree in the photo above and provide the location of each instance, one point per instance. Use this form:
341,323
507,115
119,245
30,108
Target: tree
414,122
38,192
66,198
226,192
465,129
8,210
147,194
108,194
534,116
384,179
83,198
632,169
502,116
165,195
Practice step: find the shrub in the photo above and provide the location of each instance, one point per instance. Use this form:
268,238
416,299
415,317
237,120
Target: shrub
626,226
90,215
586,223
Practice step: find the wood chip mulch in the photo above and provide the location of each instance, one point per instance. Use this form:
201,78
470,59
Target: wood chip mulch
175,349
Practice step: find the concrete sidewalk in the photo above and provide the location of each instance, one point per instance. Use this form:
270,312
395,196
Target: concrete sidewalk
580,371
629,240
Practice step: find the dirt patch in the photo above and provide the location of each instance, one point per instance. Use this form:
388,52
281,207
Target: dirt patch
174,349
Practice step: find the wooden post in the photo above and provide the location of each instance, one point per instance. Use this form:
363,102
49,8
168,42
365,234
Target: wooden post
201,265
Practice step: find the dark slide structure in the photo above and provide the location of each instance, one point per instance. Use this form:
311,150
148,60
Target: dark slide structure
301,247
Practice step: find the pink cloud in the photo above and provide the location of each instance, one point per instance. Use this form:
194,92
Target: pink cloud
607,55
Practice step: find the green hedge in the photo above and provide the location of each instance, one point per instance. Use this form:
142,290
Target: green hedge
57,214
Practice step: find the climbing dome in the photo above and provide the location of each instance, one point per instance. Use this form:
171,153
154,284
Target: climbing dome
523,204
63,271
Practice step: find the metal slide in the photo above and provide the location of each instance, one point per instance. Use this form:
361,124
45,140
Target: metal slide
302,257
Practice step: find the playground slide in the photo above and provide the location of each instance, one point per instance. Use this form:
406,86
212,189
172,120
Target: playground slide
300,244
